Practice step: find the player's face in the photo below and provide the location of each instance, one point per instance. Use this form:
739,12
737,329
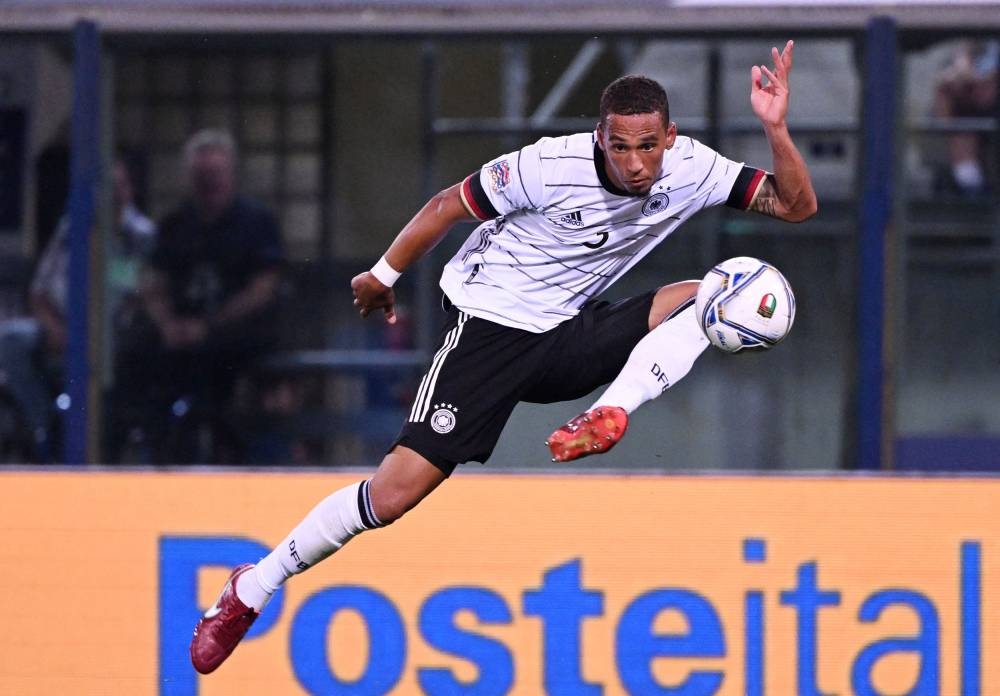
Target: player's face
213,181
633,149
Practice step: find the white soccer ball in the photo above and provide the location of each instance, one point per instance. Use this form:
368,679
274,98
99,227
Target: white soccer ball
745,304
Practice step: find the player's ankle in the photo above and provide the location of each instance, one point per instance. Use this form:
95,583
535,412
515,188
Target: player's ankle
251,591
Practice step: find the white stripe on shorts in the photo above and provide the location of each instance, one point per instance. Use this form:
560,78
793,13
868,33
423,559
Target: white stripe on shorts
422,403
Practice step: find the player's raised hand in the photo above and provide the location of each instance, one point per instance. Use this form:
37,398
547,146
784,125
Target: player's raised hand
370,294
770,103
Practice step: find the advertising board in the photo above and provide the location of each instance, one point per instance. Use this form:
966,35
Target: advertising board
512,584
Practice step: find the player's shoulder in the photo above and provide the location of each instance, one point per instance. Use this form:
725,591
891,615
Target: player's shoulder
573,146
689,152
686,146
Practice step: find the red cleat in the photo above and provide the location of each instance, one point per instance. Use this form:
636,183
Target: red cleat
593,432
222,627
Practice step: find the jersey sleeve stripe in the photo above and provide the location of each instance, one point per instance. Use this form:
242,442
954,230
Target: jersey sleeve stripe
475,200
748,183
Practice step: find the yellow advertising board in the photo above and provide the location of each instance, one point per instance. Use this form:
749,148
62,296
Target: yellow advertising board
510,584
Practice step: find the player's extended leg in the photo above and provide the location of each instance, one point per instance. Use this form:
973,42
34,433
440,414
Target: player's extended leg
402,480
657,362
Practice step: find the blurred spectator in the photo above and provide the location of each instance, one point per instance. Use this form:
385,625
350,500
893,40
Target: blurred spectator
211,293
32,350
128,248
967,87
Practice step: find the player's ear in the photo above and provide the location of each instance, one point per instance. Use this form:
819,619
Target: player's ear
599,132
671,134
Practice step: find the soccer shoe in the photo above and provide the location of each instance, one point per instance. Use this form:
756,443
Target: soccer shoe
222,627
593,432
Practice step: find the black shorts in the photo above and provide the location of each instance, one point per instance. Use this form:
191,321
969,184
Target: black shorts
482,370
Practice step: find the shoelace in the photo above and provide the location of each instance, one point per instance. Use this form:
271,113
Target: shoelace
229,633
232,622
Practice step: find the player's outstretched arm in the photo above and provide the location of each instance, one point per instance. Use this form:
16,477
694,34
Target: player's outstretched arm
420,235
788,193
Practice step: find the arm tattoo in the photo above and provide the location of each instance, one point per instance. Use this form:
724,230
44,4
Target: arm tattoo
766,199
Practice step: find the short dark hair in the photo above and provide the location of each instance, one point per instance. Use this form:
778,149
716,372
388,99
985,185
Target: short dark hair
210,139
634,94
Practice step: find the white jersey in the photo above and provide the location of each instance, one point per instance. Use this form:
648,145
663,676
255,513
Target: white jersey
558,232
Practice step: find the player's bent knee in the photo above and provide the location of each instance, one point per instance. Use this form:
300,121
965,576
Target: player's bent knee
669,297
402,480
390,506
391,500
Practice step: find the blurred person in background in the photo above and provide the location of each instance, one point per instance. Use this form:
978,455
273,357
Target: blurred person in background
211,292
561,220
967,87
33,351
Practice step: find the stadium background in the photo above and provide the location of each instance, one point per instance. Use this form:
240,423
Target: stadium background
862,450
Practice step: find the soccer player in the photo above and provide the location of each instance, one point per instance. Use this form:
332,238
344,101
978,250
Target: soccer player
562,219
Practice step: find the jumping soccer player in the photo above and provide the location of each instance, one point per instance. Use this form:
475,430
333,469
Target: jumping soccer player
562,219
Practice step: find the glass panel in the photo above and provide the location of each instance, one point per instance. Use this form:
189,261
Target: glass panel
951,117
302,76
172,124
172,76
302,174
216,77
303,126
260,173
300,226
687,90
790,408
131,76
260,125
259,76
132,126
948,380
221,115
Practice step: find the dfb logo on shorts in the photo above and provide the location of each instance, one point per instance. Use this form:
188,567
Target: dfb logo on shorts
443,418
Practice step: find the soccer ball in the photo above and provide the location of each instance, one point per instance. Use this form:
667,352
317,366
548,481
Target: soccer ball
745,304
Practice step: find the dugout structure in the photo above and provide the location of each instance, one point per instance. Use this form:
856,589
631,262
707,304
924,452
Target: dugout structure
883,248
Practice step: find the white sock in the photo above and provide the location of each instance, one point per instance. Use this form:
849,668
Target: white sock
336,520
657,362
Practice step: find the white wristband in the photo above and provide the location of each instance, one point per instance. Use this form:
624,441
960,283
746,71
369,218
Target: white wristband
386,274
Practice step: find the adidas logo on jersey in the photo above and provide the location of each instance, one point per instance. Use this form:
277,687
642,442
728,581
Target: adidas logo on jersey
574,219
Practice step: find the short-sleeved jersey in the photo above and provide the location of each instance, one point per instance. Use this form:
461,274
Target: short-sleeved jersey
557,232
207,263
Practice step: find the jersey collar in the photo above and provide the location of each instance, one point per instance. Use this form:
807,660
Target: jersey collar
606,182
